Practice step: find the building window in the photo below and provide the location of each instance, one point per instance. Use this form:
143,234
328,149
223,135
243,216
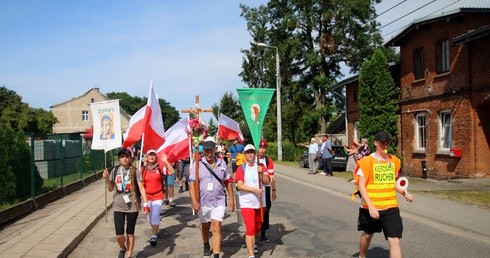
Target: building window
445,130
418,63
84,115
92,100
420,133
442,56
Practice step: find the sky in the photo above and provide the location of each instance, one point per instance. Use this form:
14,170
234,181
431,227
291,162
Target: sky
52,51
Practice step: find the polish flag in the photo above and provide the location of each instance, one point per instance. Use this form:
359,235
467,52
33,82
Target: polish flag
177,142
147,121
229,129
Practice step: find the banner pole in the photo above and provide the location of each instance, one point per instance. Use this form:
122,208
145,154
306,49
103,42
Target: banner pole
105,187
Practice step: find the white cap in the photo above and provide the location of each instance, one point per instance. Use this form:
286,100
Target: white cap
210,139
249,147
151,151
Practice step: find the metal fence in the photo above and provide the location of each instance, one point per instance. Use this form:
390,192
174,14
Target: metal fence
61,159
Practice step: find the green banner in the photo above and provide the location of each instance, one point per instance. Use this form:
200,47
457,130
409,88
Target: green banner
255,103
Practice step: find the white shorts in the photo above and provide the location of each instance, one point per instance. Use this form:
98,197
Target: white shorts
154,215
206,214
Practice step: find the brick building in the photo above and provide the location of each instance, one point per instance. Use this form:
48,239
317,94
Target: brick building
445,90
443,74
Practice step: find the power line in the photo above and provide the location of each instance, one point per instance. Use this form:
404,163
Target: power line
389,9
442,8
408,14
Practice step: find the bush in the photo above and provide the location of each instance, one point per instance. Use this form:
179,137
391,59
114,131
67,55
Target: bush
289,151
15,162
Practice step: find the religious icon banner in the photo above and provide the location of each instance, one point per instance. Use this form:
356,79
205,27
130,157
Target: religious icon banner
255,102
106,117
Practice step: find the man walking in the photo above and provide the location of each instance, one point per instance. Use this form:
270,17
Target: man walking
213,180
327,156
379,211
270,189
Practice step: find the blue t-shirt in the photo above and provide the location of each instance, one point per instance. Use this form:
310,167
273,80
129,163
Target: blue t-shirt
326,154
235,149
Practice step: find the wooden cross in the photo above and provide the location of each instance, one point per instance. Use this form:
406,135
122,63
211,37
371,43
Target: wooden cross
197,110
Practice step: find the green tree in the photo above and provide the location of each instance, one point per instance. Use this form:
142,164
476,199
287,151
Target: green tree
378,96
131,104
313,39
7,177
17,115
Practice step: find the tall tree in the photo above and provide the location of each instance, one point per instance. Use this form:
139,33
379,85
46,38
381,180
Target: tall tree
17,115
314,38
378,96
131,104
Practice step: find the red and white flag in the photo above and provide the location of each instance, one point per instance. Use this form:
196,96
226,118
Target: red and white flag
148,121
229,129
177,142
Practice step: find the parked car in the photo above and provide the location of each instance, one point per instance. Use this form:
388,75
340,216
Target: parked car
339,161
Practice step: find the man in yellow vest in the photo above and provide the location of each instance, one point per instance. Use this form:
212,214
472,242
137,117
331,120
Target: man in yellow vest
377,174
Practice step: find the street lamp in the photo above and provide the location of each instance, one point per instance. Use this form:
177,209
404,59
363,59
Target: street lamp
278,100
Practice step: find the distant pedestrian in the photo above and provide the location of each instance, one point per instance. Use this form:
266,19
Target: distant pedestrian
184,174
379,211
327,156
270,189
153,181
127,181
236,152
250,179
170,185
214,182
351,160
312,155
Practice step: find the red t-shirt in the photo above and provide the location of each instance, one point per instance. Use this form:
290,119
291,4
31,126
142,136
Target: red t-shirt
152,180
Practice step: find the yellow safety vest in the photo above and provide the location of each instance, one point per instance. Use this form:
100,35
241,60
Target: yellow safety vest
381,177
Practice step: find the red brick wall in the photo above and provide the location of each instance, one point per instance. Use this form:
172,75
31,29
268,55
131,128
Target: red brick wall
454,91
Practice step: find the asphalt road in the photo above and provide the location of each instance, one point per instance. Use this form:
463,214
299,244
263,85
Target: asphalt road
310,219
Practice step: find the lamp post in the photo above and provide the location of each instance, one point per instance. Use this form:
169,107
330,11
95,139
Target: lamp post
278,100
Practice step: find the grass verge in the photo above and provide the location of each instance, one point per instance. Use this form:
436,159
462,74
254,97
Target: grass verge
480,198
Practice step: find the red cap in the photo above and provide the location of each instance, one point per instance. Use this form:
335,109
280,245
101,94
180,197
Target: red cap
263,143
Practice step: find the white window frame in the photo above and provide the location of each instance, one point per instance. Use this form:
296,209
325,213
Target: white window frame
85,116
445,130
420,132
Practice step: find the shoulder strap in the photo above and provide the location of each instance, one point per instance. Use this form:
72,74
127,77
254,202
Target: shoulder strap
116,168
212,173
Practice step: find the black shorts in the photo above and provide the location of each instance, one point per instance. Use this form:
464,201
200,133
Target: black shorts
128,217
390,222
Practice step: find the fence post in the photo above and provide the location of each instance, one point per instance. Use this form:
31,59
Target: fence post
33,178
80,159
61,160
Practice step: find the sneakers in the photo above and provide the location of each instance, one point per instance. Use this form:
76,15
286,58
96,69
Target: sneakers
122,254
207,250
153,240
181,189
324,174
171,204
256,250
